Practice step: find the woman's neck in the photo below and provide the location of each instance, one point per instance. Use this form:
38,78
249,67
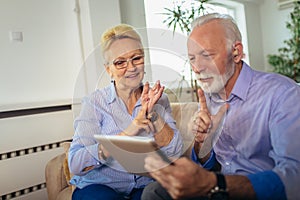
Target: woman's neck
130,97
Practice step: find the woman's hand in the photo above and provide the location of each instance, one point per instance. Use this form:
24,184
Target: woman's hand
140,123
151,95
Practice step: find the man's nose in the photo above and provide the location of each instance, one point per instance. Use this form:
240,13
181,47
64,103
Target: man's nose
197,67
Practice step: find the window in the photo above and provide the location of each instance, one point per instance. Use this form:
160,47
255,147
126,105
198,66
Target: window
167,50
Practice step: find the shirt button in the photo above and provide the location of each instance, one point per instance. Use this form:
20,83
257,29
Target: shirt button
227,163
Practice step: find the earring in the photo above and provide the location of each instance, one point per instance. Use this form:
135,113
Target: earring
112,79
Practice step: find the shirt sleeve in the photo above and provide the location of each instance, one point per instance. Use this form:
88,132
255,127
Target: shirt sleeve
284,125
267,186
209,164
84,148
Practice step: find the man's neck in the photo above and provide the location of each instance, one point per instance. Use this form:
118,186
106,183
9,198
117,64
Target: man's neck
231,82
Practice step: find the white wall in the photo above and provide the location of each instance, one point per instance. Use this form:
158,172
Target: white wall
55,61
266,30
95,16
254,35
44,65
274,32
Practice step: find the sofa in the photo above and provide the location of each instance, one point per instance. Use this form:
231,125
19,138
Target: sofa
56,171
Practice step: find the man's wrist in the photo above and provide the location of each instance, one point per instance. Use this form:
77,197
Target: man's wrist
219,191
197,151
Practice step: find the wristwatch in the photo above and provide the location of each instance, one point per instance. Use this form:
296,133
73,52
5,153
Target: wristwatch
102,156
219,192
153,116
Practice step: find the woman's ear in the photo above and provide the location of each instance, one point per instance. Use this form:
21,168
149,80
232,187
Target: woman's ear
237,52
107,68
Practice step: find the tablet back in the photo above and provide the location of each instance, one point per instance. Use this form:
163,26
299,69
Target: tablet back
129,151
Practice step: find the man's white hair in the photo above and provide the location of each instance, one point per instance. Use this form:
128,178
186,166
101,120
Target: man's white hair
233,33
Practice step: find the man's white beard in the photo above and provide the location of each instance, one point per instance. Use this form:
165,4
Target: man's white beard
219,81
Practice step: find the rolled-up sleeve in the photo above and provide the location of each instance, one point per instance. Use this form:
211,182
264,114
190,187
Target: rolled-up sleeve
267,186
84,148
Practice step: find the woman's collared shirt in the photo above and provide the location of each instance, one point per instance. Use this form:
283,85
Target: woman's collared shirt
103,112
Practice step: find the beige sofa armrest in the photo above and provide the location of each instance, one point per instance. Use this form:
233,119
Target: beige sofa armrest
55,177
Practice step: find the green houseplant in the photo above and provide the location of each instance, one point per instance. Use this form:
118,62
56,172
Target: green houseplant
181,16
287,62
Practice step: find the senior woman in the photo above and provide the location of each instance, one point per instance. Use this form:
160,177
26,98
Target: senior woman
125,107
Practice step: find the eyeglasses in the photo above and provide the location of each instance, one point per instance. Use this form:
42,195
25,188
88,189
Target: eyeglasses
123,63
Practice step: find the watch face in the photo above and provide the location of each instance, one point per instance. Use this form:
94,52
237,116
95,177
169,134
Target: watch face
220,195
153,117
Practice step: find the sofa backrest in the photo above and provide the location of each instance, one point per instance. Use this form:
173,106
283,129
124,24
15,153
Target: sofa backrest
182,113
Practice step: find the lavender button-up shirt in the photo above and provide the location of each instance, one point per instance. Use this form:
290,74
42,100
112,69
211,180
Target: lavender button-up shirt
260,136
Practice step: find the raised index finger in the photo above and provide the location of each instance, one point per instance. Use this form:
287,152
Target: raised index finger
202,100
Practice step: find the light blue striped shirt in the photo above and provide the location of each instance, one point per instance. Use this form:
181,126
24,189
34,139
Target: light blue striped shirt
261,134
103,112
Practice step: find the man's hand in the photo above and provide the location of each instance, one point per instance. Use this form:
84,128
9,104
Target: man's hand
204,126
183,179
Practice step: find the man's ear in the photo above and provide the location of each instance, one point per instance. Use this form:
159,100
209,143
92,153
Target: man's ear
237,52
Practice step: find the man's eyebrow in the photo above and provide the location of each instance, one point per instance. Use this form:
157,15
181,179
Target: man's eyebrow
200,52
207,51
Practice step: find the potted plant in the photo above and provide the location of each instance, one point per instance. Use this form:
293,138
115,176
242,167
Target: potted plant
181,16
287,62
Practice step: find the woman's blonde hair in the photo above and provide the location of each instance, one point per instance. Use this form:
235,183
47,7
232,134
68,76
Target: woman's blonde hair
118,32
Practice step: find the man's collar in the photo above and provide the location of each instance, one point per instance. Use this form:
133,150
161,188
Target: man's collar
243,82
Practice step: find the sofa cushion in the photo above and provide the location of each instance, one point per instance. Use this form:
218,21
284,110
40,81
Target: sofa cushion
182,113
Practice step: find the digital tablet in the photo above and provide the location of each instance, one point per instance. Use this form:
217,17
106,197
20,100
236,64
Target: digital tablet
131,151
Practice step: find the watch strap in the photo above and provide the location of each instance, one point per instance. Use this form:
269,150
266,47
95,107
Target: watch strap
221,182
219,192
